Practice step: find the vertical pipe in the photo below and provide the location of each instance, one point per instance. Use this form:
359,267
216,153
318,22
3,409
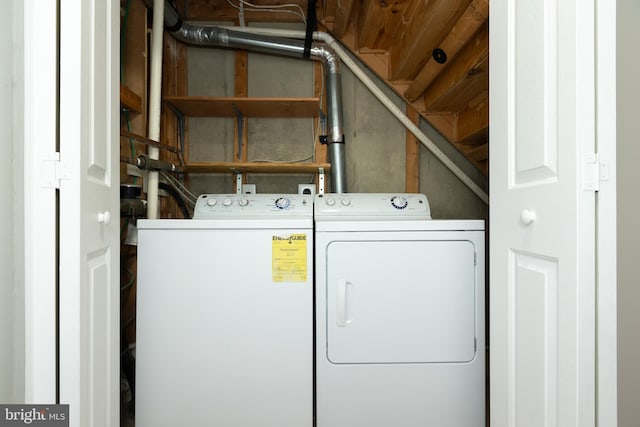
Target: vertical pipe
155,91
336,146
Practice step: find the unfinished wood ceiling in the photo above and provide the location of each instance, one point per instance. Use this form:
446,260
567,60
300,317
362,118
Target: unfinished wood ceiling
433,53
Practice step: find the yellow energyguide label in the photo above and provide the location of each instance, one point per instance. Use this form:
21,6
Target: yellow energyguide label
289,258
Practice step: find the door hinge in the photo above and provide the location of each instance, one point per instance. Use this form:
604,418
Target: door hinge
593,172
53,171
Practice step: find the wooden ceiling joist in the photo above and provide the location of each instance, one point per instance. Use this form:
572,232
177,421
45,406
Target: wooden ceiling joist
472,121
378,22
465,70
425,30
473,17
343,16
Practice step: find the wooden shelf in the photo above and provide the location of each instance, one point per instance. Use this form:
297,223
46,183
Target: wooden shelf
130,100
255,167
200,106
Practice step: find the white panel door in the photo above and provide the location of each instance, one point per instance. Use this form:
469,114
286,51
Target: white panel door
542,220
89,212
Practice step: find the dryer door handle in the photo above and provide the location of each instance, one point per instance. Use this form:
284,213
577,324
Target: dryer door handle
343,302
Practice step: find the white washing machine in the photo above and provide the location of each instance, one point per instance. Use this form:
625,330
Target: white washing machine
225,315
399,314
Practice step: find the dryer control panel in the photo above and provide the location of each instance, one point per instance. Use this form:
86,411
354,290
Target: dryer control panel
214,206
371,206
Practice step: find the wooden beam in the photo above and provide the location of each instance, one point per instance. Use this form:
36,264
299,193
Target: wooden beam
470,67
378,23
330,8
412,154
471,20
472,120
425,31
130,100
343,16
479,153
256,167
204,106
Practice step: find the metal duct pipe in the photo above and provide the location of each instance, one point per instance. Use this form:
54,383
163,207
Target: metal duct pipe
215,36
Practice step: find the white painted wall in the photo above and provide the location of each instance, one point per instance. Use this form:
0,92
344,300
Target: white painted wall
6,208
628,207
11,313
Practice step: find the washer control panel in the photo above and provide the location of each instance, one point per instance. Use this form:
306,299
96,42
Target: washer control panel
213,206
371,206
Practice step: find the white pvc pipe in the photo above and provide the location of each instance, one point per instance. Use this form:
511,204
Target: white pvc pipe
362,76
155,100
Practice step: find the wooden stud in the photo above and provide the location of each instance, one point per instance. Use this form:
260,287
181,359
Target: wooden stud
412,154
466,70
425,31
473,17
241,85
318,88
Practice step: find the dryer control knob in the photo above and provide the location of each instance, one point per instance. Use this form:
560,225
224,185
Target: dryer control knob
211,202
345,202
227,202
399,202
282,203
243,202
330,202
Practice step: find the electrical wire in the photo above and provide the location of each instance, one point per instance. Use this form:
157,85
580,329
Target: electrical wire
176,196
276,8
184,192
180,186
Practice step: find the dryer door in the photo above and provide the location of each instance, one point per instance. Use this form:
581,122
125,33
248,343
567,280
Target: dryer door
401,301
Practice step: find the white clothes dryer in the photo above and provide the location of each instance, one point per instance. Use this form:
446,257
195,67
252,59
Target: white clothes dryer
400,335
225,314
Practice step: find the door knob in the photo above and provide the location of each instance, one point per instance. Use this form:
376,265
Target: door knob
104,218
527,216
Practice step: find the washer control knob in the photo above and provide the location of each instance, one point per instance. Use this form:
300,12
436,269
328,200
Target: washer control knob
330,202
243,202
399,202
227,202
345,202
282,203
212,202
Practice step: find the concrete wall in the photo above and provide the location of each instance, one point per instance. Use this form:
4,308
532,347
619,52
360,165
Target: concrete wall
628,195
375,140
